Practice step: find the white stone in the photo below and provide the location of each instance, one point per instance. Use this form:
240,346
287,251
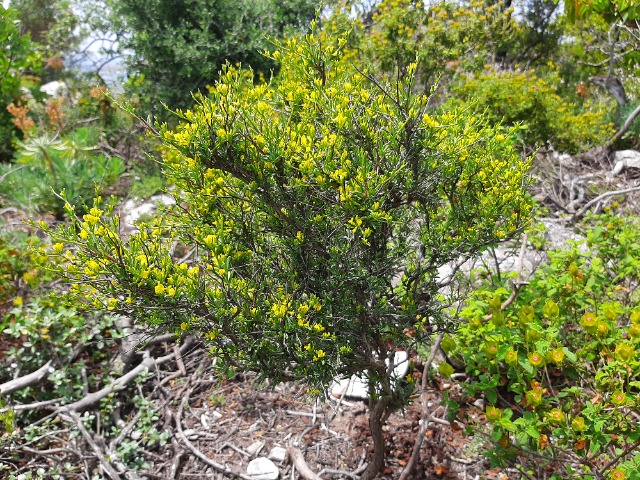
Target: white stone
131,213
204,420
263,469
625,159
356,386
54,89
277,454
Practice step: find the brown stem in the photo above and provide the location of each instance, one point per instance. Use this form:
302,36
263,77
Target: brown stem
377,409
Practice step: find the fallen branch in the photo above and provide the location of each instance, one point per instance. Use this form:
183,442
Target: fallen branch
104,463
149,364
26,380
580,213
31,406
425,417
297,459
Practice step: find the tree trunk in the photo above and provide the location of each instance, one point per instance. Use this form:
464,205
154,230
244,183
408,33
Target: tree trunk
377,409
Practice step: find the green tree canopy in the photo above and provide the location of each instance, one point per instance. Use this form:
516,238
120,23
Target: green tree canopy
178,47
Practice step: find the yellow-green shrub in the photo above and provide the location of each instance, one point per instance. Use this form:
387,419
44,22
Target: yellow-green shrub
525,99
319,208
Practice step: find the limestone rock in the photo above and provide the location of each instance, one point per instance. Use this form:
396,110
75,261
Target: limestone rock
262,469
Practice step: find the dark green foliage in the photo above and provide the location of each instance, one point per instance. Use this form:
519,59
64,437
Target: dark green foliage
180,46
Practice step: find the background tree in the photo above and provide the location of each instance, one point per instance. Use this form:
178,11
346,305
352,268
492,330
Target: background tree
177,48
17,55
320,207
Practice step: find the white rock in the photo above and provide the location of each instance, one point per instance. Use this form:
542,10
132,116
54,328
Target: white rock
204,420
625,159
277,454
55,89
131,213
263,469
356,387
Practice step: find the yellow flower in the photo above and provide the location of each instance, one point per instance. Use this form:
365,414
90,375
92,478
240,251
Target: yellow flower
160,289
617,474
557,356
493,414
618,398
625,352
556,416
17,301
588,320
536,359
57,248
319,355
578,425
511,357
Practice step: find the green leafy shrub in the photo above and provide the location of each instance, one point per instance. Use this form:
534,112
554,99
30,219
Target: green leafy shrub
22,266
46,329
560,366
522,98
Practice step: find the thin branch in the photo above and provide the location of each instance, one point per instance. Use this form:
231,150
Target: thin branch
425,417
25,381
626,125
580,213
519,282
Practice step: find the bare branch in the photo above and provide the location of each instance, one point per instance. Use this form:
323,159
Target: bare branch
297,459
425,417
149,364
580,213
26,381
627,123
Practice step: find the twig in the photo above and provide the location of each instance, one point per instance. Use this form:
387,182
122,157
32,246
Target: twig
215,465
518,283
342,473
425,417
106,466
580,213
233,447
297,459
299,414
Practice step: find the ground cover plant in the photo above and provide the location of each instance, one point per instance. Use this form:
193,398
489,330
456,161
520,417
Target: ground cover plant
559,365
318,209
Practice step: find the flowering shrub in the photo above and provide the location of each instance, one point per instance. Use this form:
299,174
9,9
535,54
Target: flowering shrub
315,210
523,98
560,366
